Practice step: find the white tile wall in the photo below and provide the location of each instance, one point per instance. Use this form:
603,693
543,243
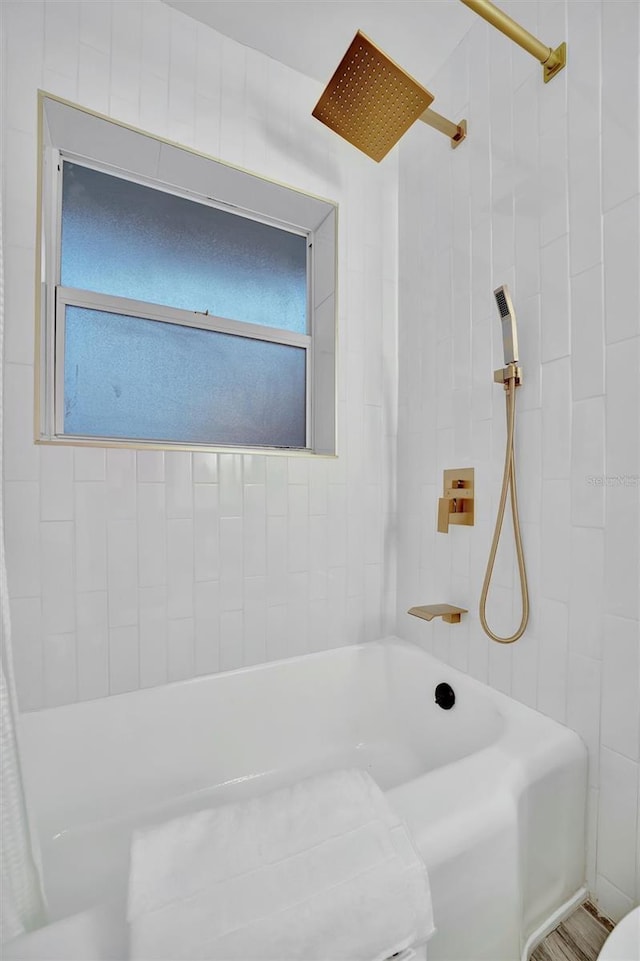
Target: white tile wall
133,569
564,157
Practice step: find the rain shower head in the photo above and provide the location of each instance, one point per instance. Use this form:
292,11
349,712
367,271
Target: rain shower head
509,327
372,102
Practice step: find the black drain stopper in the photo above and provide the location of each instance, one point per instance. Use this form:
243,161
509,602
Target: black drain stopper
445,696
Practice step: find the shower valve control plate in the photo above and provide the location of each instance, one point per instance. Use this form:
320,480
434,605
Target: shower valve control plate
456,506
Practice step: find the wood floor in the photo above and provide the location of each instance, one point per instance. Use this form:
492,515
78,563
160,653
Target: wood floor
579,938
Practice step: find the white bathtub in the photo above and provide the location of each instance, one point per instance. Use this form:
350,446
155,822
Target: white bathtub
493,792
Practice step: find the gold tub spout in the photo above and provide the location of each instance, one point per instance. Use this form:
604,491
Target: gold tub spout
447,612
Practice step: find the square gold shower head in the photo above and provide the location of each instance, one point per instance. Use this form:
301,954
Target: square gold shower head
370,100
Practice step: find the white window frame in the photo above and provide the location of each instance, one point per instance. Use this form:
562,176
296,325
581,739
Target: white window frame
93,300
319,343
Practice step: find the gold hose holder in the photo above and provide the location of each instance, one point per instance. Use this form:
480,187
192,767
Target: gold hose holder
552,60
505,374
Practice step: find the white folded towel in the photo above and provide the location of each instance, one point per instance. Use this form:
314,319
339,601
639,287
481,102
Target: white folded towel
319,871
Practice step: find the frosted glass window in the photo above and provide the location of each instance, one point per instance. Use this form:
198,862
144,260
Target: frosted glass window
186,301
127,240
129,377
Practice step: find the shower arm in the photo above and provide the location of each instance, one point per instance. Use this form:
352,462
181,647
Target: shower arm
552,60
455,131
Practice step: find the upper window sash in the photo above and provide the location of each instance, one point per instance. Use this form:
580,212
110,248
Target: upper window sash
59,157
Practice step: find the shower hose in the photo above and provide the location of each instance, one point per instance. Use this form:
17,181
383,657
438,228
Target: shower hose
508,484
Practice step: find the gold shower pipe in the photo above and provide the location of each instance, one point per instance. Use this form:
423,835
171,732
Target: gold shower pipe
455,131
552,60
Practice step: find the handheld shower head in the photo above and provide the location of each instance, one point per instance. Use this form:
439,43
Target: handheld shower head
509,326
